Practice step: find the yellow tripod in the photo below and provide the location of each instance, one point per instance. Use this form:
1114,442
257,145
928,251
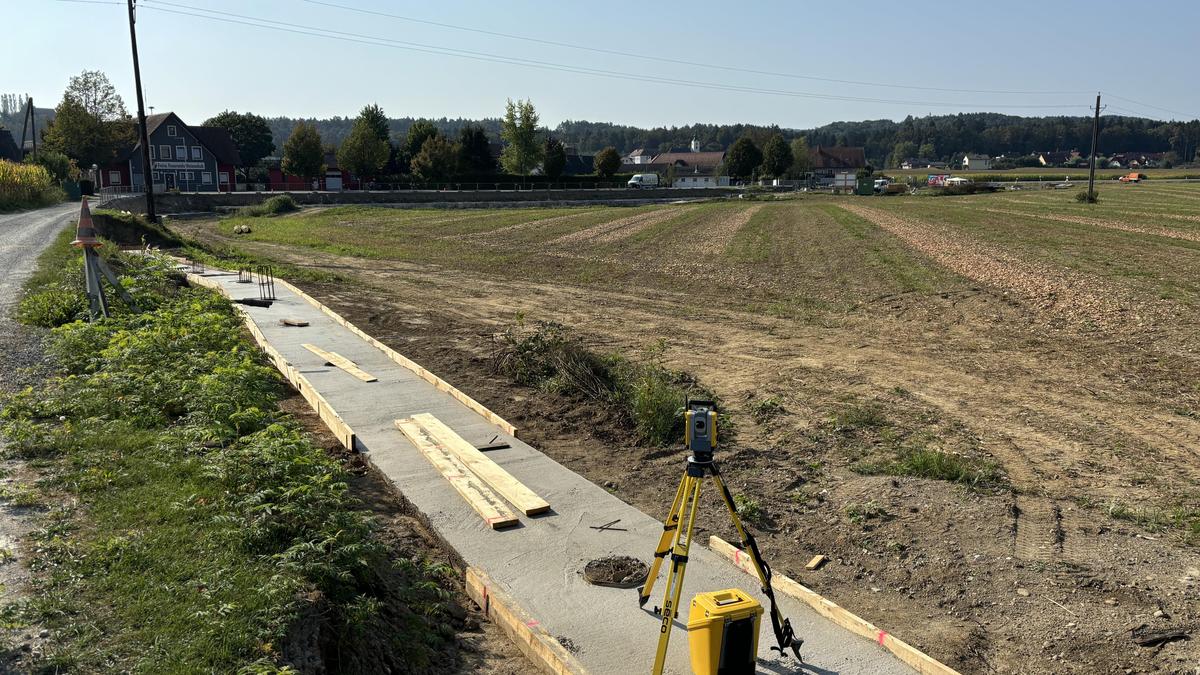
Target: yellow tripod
701,433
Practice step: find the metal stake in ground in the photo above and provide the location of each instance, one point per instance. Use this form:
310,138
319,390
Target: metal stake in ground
94,266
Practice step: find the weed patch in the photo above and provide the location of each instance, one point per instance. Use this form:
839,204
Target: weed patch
936,465
649,395
272,206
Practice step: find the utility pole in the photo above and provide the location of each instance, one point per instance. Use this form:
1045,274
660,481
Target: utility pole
147,168
1095,140
32,126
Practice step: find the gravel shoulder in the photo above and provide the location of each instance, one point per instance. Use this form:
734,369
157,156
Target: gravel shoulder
24,235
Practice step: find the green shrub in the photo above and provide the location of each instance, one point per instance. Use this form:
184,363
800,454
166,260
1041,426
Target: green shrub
750,510
1085,197
273,206
650,396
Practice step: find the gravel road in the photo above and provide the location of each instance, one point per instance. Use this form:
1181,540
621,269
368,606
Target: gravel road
23,236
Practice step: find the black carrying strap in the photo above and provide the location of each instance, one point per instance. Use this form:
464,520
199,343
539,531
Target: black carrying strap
784,635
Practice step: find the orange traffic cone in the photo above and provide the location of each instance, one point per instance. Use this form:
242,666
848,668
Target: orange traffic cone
85,233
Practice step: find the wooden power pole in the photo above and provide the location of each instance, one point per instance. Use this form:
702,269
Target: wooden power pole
1095,141
147,168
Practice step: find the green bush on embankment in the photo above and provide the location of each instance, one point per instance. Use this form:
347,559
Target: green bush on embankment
196,527
647,393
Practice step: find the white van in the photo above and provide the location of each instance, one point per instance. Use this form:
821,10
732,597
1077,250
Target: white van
643,180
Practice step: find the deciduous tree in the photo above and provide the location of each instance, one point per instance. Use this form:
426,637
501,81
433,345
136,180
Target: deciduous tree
418,133
607,162
519,129
363,153
743,158
436,160
777,157
303,154
373,116
554,158
250,133
801,157
90,123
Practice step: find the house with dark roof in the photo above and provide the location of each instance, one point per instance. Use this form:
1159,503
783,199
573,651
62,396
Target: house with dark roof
837,165
191,159
8,147
1058,158
973,162
640,156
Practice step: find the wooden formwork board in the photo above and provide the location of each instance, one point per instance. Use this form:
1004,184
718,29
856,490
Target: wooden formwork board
538,645
918,660
470,487
526,500
335,359
404,361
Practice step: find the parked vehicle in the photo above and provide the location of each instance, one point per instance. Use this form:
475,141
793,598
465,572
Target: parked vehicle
881,184
643,180
1134,177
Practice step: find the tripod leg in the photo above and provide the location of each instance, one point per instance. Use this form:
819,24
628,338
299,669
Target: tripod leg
116,284
670,526
679,558
782,627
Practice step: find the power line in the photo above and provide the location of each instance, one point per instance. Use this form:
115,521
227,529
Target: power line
614,52
1147,105
545,65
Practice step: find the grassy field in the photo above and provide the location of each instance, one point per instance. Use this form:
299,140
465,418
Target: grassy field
1050,172
954,396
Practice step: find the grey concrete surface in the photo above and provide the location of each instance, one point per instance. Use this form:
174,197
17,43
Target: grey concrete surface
539,562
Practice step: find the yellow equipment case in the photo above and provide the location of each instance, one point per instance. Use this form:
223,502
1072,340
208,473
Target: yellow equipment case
723,632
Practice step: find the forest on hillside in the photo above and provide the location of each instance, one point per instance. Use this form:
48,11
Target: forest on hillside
933,137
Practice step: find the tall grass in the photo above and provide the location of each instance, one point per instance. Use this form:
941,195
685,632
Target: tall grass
24,186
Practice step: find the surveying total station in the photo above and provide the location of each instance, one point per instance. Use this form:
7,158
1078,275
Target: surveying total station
701,440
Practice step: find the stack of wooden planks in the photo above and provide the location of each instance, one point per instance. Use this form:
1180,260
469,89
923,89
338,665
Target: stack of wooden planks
479,480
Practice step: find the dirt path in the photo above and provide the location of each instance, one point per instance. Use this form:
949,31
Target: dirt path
619,229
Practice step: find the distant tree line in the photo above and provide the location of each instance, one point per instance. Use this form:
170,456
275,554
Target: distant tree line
935,137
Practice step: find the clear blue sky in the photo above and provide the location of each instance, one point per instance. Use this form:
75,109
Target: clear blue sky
197,67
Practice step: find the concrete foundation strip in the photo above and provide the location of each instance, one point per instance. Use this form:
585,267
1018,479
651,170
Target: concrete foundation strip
404,361
542,650
540,647
921,662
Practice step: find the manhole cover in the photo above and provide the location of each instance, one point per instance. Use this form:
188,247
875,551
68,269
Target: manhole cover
618,571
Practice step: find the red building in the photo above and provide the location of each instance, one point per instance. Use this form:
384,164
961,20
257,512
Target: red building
334,179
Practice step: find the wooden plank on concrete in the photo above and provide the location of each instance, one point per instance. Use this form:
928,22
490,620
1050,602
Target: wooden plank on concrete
526,500
538,645
481,498
404,361
335,359
921,662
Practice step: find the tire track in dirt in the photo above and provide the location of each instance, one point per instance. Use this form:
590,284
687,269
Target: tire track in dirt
517,227
1076,297
1167,232
616,230
714,240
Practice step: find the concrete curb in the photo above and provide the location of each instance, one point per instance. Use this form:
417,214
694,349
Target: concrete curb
541,648
918,660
